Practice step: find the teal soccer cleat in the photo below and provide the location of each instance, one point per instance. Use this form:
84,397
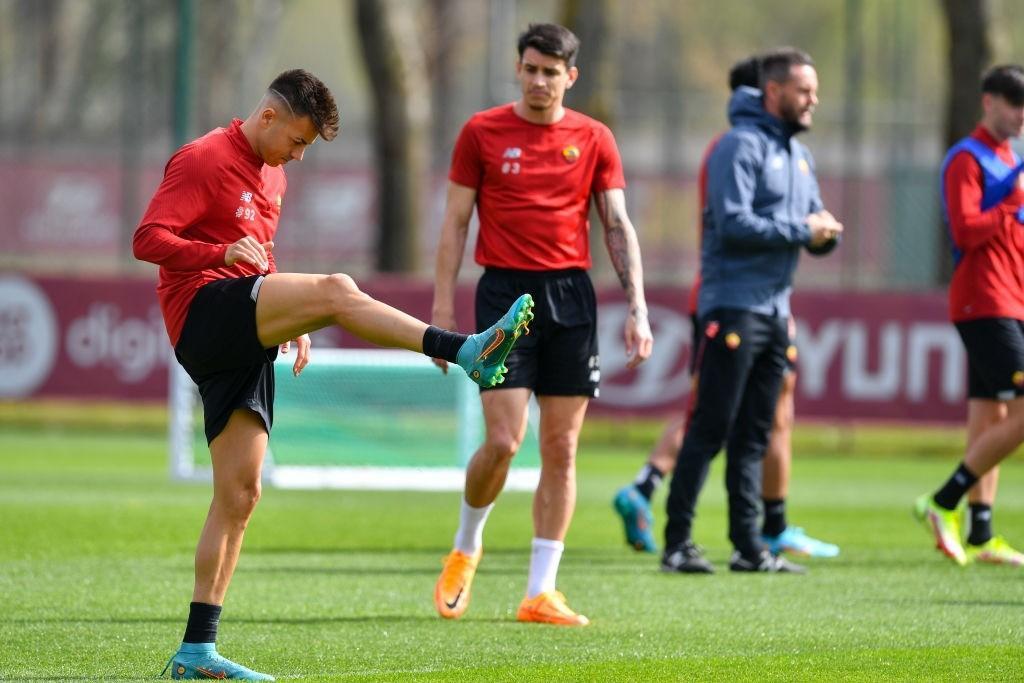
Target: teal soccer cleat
201,661
794,540
483,355
637,518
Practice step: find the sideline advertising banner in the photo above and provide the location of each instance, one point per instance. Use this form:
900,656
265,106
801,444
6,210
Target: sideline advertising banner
861,355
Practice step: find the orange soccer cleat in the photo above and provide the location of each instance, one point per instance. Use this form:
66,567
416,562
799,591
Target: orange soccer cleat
549,608
451,593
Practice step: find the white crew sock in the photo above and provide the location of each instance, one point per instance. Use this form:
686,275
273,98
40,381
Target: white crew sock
545,555
470,536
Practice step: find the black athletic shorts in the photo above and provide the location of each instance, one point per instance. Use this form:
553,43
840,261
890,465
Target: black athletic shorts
221,352
995,357
697,332
559,355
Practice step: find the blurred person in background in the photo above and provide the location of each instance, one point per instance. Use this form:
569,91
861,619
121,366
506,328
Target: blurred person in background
531,168
633,501
210,227
763,208
982,196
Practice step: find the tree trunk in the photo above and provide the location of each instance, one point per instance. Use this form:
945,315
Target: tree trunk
397,76
592,94
970,50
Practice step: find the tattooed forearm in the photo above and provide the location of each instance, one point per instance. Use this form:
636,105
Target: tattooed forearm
623,249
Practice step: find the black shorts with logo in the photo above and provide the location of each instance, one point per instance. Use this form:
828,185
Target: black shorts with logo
221,352
559,356
995,357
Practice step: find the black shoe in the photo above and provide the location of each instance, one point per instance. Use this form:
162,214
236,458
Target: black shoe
765,562
686,558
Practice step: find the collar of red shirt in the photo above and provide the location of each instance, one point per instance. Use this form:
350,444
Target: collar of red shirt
981,132
239,140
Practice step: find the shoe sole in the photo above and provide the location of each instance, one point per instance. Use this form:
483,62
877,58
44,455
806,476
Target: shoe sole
536,619
675,570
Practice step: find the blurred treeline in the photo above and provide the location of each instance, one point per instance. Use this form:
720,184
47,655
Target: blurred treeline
117,83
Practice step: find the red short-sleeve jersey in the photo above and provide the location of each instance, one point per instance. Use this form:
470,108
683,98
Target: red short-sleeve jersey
215,191
989,280
534,184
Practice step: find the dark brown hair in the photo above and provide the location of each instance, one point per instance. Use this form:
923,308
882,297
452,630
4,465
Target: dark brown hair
306,95
551,40
1007,81
777,65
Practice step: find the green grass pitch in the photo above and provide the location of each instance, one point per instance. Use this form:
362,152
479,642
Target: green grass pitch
96,572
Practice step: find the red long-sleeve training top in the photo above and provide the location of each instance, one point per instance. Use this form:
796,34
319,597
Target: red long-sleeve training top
989,280
215,191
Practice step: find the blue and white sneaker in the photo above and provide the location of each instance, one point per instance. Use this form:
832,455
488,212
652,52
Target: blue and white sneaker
637,518
794,540
201,661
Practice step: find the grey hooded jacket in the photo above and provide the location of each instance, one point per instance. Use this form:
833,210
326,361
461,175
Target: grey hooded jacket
761,188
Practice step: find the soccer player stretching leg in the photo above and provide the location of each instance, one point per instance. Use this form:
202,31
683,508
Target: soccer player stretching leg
210,227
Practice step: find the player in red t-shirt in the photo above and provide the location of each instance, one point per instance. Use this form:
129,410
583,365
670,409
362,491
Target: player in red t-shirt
983,192
210,227
530,168
632,501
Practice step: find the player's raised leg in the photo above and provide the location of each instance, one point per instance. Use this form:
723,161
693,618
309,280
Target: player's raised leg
292,304
237,458
561,418
505,413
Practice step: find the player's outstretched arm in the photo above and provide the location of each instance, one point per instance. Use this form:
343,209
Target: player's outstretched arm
458,210
624,250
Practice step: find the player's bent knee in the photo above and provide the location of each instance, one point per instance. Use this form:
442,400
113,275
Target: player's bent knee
340,286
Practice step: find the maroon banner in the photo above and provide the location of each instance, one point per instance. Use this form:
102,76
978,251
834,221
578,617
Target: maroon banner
862,355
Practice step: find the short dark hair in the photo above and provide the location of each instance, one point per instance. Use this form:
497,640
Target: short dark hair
746,72
552,40
776,65
306,95
1007,81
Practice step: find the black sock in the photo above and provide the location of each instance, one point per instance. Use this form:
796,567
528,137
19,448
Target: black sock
647,480
953,490
774,516
981,524
202,623
438,343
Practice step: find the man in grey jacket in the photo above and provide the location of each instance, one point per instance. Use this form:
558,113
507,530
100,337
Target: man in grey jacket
763,207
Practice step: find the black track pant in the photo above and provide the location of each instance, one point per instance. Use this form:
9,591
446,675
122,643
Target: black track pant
742,357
